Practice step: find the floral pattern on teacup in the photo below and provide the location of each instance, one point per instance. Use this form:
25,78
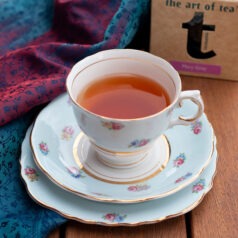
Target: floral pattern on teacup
67,133
197,127
44,148
139,143
199,186
179,160
182,178
112,125
31,174
138,187
75,172
114,217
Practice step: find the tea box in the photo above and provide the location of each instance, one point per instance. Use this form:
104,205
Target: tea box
198,38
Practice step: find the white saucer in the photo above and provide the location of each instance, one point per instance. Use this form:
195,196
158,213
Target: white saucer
71,206
53,139
147,167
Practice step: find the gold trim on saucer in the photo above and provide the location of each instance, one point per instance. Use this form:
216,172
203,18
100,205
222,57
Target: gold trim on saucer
110,179
129,224
96,198
92,197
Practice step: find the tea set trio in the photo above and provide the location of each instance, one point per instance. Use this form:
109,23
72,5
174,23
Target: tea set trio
129,147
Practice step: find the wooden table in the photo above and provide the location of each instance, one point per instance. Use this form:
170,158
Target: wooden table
217,215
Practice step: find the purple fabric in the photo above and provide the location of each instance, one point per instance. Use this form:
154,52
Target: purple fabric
39,43
33,72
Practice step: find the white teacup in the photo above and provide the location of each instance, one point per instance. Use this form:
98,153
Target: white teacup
124,142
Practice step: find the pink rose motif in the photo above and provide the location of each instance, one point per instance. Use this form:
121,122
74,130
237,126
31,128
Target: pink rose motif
139,143
143,142
114,217
67,132
43,148
75,172
179,180
183,177
110,216
138,187
29,170
199,186
31,174
197,127
132,188
112,125
179,160
117,126
197,130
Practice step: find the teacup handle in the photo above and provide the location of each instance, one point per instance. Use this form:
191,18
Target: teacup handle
195,97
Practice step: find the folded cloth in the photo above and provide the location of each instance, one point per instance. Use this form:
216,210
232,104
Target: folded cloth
39,43
19,215
41,40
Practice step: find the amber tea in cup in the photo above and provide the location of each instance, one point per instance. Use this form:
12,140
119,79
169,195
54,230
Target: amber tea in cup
124,96
124,100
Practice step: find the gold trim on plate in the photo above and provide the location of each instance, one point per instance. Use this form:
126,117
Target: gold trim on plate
156,220
110,179
96,198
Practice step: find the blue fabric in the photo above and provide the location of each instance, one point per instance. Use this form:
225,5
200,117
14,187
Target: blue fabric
28,19
33,72
20,216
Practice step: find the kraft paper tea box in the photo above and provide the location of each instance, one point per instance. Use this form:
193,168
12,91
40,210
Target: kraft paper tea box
198,38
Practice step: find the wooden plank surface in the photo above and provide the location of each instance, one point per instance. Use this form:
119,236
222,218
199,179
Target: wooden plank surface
217,215
166,229
55,233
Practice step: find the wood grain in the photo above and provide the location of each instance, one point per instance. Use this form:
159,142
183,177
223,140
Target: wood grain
217,215
170,228
55,233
